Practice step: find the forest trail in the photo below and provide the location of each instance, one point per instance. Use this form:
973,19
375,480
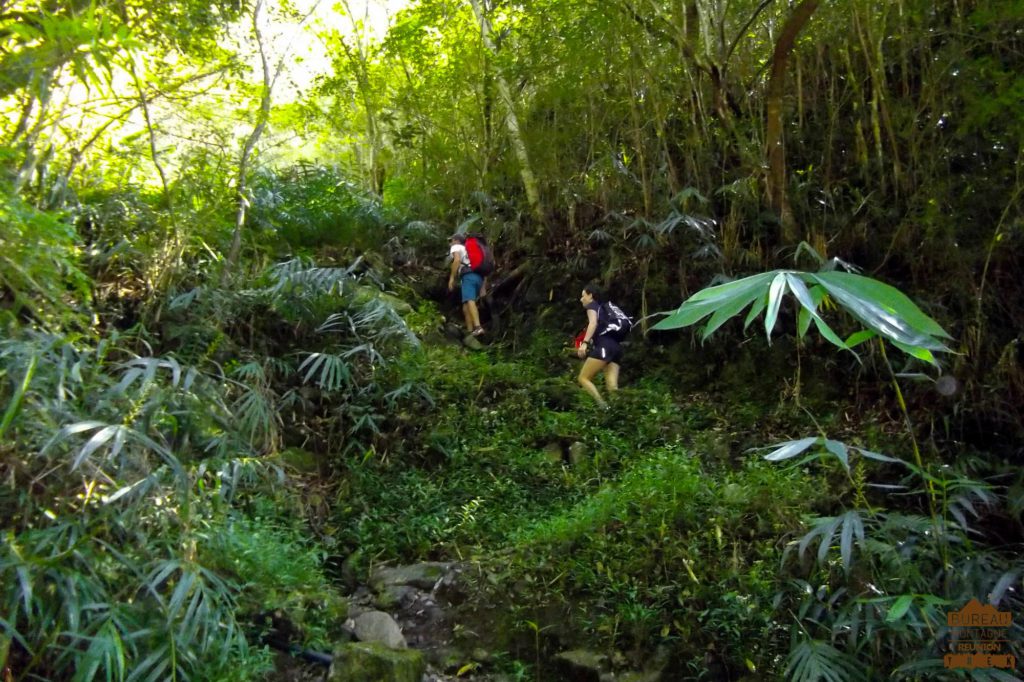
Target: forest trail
529,450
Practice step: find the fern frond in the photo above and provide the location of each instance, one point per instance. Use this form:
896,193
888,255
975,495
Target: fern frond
814,660
850,526
331,371
256,417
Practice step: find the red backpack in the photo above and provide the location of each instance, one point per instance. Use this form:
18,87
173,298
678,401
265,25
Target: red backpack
480,259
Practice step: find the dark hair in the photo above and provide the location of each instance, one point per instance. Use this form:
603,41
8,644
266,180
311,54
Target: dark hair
595,291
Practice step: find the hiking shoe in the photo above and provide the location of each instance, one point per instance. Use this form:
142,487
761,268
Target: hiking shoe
479,331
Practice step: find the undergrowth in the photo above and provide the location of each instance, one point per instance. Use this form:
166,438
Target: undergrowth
633,529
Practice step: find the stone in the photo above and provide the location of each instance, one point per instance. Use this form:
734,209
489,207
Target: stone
577,453
366,294
335,611
370,662
424,575
445,657
350,574
378,627
470,341
395,596
637,676
581,665
300,460
453,331
553,452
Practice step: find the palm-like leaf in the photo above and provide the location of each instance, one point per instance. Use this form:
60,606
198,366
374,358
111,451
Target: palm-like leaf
882,309
822,447
257,417
331,371
297,276
850,527
814,661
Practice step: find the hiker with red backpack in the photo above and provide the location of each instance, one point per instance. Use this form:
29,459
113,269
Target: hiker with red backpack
471,264
599,343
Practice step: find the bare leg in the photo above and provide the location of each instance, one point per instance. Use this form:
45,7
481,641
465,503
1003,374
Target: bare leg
467,315
473,315
611,377
591,366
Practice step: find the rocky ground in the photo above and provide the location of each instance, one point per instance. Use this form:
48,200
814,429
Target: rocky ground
407,625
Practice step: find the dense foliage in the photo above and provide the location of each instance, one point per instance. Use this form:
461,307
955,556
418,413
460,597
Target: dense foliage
226,390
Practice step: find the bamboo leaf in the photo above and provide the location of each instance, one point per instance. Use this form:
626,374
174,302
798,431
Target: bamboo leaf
98,440
727,311
878,457
917,352
853,527
15,403
775,293
883,309
829,335
706,301
1002,585
790,449
839,450
899,608
756,309
181,591
826,538
860,337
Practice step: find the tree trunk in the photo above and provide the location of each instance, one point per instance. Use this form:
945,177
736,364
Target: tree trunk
511,120
359,59
243,164
776,152
31,134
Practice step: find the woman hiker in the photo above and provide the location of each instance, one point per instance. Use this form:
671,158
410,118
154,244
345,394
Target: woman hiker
602,352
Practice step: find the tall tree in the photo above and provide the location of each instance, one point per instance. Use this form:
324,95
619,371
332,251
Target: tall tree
269,75
511,118
774,141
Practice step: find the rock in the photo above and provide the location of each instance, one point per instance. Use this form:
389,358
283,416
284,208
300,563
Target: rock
581,665
445,657
425,575
369,662
453,332
470,341
559,394
366,294
577,453
395,596
350,570
335,612
378,627
553,452
300,460
634,676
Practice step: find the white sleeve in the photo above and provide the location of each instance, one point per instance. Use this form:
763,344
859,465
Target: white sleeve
459,251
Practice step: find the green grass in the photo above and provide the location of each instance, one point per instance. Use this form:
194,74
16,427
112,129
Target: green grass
652,539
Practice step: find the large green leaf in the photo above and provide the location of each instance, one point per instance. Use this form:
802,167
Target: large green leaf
775,294
883,309
706,301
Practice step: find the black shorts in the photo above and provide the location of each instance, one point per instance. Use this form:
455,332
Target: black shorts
605,349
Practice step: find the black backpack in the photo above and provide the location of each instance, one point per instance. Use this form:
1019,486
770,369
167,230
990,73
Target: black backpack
617,324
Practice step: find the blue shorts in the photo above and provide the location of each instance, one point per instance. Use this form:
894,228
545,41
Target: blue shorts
471,285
